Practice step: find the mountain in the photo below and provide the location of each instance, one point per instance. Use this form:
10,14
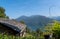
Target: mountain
35,22
56,18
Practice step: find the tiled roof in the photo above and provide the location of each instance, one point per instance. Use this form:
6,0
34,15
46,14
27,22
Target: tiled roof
13,24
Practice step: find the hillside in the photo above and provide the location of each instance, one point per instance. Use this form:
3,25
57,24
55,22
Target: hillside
36,21
56,18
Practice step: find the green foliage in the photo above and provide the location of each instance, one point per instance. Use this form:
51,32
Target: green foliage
28,30
17,37
2,13
53,28
48,29
39,32
22,22
56,28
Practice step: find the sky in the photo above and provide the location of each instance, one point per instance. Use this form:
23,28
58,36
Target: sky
17,8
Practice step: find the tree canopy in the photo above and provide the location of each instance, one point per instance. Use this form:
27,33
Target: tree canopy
22,22
2,13
54,29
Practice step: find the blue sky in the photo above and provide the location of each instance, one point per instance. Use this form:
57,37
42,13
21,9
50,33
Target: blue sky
17,8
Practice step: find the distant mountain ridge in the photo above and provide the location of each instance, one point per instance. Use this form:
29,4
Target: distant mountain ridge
56,18
35,22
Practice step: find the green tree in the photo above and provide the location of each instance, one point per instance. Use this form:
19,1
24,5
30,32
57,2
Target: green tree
2,13
48,29
56,29
22,22
28,30
53,28
39,32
